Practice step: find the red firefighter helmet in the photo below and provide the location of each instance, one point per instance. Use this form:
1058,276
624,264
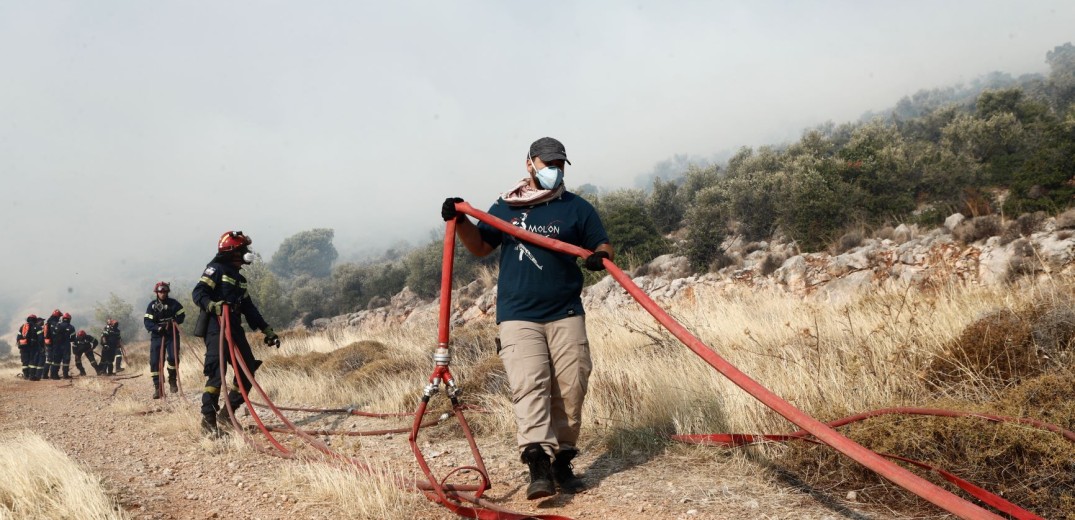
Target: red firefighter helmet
67,316
111,322
162,287
81,334
31,318
56,313
233,241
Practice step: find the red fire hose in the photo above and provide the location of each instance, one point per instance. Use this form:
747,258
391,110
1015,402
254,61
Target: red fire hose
456,497
826,434
452,496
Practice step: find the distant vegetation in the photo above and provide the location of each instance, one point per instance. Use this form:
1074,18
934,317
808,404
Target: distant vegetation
1000,146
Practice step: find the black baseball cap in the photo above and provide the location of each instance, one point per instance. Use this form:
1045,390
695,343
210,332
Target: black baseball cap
548,149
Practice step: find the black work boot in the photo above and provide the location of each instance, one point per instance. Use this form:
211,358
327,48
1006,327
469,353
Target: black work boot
172,386
223,418
156,391
209,427
66,373
541,485
563,473
81,371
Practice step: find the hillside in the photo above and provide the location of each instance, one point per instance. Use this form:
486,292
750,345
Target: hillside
893,320
962,251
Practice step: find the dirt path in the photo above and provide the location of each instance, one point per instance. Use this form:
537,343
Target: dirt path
158,466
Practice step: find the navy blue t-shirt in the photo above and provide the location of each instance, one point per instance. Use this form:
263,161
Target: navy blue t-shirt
537,284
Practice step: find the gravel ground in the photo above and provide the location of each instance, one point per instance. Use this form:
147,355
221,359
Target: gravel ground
152,460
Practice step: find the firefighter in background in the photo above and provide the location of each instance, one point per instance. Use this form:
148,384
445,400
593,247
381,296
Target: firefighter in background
26,347
162,319
110,345
222,284
84,344
52,351
62,336
38,342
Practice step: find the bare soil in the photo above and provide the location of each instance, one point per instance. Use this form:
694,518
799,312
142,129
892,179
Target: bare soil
159,467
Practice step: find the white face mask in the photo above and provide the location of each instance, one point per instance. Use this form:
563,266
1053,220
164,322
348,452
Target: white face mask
548,177
250,256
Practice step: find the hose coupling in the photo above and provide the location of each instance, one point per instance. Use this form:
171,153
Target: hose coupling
432,388
442,356
453,391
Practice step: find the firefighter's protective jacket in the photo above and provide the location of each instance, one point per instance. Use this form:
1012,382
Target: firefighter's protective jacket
62,334
50,329
26,335
110,338
223,282
85,343
160,312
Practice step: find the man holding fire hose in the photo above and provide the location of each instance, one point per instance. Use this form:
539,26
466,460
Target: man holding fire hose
543,341
162,318
222,284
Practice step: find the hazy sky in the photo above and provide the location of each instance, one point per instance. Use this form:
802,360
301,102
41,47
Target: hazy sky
132,134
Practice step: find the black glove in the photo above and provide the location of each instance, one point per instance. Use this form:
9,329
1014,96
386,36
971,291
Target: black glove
161,328
271,339
447,211
594,262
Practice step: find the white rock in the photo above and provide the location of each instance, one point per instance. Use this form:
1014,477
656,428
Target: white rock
954,220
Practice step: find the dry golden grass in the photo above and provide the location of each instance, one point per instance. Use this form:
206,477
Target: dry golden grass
896,346
353,493
39,481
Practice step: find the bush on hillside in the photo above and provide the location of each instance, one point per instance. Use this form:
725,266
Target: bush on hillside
630,228
663,209
1025,225
977,228
308,253
118,309
705,234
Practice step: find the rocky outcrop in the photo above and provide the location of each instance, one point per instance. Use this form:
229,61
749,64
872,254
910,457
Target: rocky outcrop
908,257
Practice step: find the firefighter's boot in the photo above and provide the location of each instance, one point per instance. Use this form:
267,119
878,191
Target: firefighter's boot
236,400
209,426
66,372
119,364
541,485
156,387
54,372
81,371
98,368
563,472
172,386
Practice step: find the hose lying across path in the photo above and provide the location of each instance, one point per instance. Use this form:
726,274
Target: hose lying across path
741,439
463,500
821,431
467,501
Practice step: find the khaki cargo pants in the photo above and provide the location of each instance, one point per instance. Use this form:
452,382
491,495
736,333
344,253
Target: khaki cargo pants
548,367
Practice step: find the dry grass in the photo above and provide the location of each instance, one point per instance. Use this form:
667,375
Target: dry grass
39,481
893,347
353,493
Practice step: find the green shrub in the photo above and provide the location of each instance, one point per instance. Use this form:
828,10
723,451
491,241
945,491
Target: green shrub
306,252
